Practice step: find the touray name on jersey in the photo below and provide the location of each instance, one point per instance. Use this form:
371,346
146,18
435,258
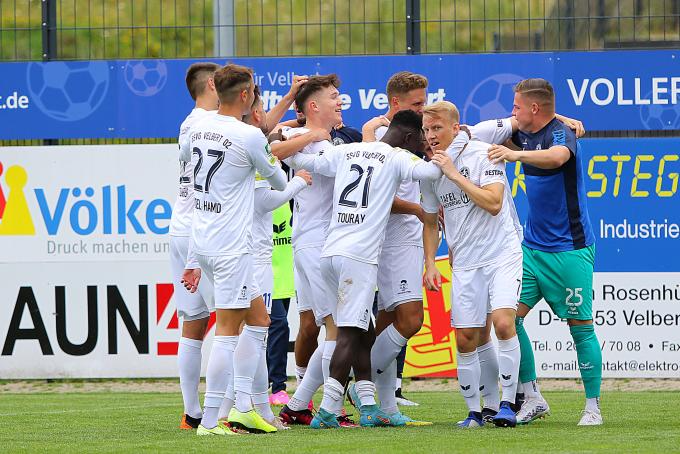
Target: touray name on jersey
366,154
212,136
351,218
450,200
212,207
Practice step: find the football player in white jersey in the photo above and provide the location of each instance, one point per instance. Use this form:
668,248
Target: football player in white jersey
319,100
226,153
193,308
440,130
484,237
367,176
267,201
400,267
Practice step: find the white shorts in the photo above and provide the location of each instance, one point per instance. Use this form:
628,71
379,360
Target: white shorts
400,276
479,291
264,276
308,287
232,278
190,306
350,287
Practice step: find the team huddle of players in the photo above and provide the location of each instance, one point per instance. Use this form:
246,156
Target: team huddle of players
367,215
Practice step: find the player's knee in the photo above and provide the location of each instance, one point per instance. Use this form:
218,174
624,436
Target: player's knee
466,340
410,326
308,327
505,328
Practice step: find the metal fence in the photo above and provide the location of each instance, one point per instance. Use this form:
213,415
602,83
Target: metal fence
98,29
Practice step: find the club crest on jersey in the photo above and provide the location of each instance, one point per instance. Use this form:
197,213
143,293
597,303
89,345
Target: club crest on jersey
465,172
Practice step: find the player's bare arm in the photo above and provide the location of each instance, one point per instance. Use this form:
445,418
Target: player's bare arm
489,197
288,148
400,206
433,278
552,158
572,123
368,130
279,110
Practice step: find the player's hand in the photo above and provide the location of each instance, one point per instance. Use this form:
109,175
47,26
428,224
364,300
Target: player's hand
320,134
433,278
298,81
501,153
376,122
305,176
575,125
443,161
190,279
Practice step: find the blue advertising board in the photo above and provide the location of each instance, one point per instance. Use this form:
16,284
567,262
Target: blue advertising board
633,201
613,90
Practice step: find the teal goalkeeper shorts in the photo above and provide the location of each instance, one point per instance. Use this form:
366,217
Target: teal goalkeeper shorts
563,279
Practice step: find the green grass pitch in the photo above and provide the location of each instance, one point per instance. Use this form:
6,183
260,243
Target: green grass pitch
147,422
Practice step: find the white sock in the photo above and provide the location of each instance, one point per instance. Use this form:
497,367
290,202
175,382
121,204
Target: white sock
593,404
217,377
333,395
311,382
508,366
261,388
531,390
246,360
299,373
397,383
386,348
328,349
228,401
488,381
468,378
366,391
384,385
189,362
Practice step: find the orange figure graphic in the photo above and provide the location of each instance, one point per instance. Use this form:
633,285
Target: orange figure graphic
16,219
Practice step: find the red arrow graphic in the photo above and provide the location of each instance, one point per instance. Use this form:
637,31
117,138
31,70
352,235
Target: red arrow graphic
440,318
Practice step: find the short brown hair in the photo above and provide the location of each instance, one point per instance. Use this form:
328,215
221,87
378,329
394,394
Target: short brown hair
231,80
538,90
197,75
313,85
256,101
443,109
404,81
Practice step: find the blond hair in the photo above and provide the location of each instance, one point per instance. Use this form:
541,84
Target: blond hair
443,109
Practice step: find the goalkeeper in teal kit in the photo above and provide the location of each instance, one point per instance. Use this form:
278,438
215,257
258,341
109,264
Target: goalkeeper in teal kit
559,244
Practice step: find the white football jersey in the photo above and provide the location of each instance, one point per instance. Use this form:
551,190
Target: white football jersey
226,153
183,210
266,201
312,208
474,236
492,131
367,176
403,229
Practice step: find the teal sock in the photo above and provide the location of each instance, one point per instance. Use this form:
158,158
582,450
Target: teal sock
589,358
527,365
